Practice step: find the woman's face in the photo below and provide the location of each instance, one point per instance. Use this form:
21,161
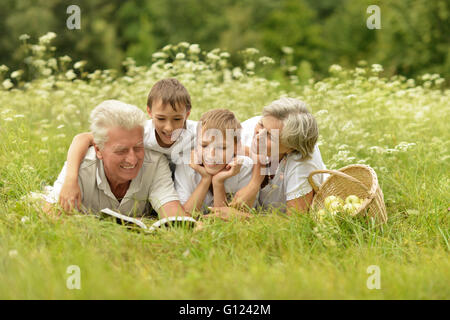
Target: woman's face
266,138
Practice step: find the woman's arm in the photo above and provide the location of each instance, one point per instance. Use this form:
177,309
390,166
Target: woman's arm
301,204
70,196
246,197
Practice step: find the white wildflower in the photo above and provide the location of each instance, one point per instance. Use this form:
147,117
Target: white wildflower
70,75
237,73
159,55
180,56
46,72
212,56
194,49
24,37
335,68
13,253
250,65
46,38
7,84
251,51
266,60
79,64
287,50
376,68
16,74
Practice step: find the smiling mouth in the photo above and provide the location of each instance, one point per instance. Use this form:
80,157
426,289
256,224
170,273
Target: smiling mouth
167,136
128,167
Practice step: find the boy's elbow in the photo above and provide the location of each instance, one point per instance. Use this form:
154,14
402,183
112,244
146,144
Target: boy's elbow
84,137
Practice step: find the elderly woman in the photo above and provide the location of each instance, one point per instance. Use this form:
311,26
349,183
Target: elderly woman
283,141
117,172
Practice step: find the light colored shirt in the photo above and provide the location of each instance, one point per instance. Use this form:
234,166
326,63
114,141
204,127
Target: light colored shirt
187,180
291,177
180,151
152,188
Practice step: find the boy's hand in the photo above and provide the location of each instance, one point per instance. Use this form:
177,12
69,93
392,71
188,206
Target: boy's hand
70,196
197,167
232,169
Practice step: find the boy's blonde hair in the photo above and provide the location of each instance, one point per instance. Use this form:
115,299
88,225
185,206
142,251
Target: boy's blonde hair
170,91
300,130
223,120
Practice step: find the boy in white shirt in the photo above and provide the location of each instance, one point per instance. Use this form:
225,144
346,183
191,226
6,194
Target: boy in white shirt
168,132
216,171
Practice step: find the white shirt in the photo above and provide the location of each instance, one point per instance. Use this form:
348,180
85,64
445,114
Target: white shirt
153,185
291,177
180,151
187,180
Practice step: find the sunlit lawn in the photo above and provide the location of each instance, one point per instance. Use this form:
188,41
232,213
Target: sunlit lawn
397,126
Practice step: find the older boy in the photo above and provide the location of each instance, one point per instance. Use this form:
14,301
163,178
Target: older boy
168,132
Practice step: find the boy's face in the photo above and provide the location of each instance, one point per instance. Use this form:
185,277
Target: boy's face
215,151
168,122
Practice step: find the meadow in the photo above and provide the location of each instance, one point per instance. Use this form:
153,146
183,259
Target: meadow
396,125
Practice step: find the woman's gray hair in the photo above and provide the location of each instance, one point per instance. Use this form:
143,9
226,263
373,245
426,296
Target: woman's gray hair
114,113
300,130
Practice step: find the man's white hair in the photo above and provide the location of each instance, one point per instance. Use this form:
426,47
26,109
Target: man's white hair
300,131
114,113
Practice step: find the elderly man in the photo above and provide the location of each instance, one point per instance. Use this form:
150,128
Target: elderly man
117,172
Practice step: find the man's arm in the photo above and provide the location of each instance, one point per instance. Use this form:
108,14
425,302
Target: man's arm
70,195
172,209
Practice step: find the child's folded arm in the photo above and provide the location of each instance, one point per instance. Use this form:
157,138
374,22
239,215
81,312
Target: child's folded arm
70,195
220,196
195,201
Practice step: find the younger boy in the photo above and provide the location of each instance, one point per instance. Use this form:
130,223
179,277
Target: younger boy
168,132
216,171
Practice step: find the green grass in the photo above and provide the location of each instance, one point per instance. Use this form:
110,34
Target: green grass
394,125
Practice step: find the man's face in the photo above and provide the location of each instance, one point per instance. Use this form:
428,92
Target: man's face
123,154
216,151
168,122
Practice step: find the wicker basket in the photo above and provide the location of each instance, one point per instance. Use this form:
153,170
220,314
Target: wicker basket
356,179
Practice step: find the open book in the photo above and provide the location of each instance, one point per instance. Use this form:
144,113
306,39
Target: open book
165,222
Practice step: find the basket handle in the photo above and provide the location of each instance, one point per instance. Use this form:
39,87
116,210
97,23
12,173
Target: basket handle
338,173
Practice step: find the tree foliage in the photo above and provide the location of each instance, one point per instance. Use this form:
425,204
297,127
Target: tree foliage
414,38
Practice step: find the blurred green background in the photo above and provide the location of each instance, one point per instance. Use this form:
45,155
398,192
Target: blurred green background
414,37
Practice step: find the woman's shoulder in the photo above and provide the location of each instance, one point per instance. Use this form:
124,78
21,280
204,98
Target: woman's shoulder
296,162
